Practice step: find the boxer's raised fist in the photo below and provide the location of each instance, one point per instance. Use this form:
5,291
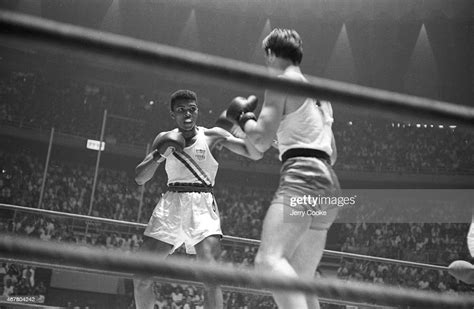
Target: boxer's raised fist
241,109
230,126
224,123
165,144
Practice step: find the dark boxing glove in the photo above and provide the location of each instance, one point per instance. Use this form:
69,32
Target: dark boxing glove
223,122
241,110
166,144
228,125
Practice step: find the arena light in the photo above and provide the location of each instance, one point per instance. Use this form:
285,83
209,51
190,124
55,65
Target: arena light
441,126
452,127
94,145
35,30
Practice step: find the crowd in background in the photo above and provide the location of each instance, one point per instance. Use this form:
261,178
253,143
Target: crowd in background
68,190
29,101
64,230
20,280
365,144
437,243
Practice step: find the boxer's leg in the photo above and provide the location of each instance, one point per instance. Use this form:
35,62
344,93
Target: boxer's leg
143,287
279,242
160,236
209,251
306,258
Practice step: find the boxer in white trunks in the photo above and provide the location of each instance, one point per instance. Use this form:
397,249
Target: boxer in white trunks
187,213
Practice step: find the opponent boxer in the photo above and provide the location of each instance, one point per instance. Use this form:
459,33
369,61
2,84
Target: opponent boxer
303,126
463,270
470,237
187,213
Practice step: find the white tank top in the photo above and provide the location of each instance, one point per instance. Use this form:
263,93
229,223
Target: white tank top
310,126
197,156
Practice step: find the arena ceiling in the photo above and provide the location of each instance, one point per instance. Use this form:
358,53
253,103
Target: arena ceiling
412,46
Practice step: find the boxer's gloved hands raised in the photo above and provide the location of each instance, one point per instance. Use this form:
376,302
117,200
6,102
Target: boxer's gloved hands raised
224,123
165,144
241,110
228,125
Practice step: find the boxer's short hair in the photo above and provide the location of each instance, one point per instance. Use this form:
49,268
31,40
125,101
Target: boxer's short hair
284,43
182,95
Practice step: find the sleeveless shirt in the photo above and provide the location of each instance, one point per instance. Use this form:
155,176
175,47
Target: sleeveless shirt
198,156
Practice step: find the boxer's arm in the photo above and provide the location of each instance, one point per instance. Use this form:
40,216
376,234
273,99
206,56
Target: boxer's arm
334,149
261,133
147,168
240,146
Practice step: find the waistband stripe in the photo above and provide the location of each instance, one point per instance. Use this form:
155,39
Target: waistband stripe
305,152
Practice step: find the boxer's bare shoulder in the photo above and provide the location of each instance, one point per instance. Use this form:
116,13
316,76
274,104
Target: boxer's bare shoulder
159,135
215,131
215,136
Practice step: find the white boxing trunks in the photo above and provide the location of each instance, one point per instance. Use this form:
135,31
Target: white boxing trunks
300,176
184,217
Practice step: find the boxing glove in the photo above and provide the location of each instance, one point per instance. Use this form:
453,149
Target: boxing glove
166,143
224,123
241,110
462,270
229,126
470,239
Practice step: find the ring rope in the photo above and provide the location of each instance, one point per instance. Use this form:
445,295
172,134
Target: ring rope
146,265
242,290
141,52
241,240
154,55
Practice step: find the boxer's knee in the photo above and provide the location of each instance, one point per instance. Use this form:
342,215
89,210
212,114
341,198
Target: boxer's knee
141,284
266,261
207,257
143,293
154,246
209,249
